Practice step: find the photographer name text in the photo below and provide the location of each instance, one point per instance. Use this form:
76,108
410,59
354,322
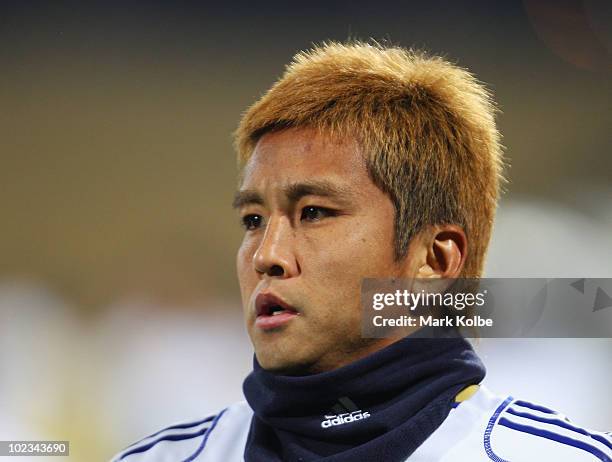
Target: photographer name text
432,321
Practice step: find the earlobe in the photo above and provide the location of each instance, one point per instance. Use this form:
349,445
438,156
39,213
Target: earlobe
427,272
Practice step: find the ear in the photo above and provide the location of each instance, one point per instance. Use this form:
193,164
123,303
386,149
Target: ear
446,253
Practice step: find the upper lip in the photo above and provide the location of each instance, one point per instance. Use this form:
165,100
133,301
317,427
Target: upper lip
265,301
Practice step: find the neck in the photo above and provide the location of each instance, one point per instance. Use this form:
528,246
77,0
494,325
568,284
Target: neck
338,359
406,389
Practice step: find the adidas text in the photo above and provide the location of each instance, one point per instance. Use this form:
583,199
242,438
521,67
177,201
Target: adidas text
341,419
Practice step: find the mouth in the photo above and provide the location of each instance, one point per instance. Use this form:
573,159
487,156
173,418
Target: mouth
272,312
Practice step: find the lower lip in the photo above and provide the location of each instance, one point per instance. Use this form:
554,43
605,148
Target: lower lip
270,322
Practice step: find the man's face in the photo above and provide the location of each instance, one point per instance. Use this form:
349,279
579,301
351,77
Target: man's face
316,225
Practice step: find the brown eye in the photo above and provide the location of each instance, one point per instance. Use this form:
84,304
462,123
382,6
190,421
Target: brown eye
312,213
251,222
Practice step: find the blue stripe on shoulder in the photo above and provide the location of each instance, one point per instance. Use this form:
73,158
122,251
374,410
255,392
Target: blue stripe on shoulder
180,426
175,437
555,437
535,407
563,424
185,425
205,439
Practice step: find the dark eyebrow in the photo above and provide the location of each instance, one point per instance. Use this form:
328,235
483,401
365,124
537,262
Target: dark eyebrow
294,192
247,197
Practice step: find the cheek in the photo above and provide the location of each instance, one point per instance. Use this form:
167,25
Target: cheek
241,259
362,251
350,257
339,269
247,278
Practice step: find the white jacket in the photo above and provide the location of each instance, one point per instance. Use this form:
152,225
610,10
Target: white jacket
483,428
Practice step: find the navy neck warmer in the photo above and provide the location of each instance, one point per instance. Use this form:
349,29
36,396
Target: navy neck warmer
379,408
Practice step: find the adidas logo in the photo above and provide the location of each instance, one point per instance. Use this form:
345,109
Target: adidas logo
345,411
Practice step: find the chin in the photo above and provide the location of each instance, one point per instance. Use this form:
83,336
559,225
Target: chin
280,364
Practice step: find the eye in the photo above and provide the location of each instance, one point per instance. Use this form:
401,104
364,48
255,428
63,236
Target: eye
251,222
312,213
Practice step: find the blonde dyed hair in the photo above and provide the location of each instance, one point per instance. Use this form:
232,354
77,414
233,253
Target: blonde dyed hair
426,128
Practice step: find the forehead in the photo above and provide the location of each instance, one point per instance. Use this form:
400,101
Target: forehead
302,153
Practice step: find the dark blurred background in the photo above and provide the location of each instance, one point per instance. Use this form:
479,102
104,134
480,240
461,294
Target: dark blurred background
117,168
117,163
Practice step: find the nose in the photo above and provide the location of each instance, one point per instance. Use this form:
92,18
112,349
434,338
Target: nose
275,255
